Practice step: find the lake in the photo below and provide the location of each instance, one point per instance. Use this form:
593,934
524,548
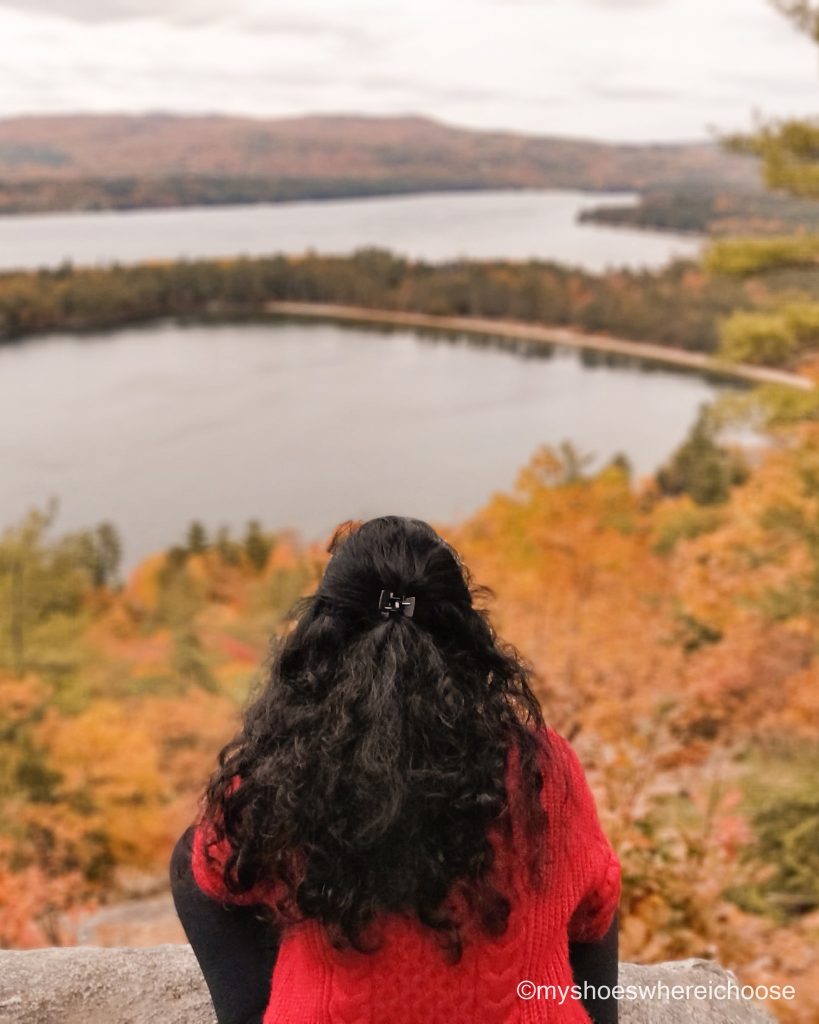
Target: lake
306,425
519,224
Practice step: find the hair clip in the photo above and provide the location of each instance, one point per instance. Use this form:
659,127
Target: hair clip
389,604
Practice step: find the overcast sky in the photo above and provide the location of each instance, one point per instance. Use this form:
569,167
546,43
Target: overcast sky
615,69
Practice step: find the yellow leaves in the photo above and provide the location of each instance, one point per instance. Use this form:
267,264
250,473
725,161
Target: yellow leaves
575,582
764,339
741,256
679,519
110,771
544,469
770,337
801,712
21,696
809,367
756,550
142,590
131,771
591,581
197,568
102,748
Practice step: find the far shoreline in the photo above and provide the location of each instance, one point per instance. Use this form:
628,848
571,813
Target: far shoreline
539,334
334,192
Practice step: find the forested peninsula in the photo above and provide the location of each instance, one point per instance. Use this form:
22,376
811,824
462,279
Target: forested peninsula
682,306
709,208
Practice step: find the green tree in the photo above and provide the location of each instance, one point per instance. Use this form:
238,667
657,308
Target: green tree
701,467
257,545
229,550
197,538
780,334
100,550
43,583
189,660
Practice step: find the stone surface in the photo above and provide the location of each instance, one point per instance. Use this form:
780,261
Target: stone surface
163,985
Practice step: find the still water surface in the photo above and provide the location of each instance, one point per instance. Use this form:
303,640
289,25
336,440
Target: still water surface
305,425
519,224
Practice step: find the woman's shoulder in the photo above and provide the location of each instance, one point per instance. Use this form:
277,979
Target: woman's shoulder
211,855
581,854
566,791
556,756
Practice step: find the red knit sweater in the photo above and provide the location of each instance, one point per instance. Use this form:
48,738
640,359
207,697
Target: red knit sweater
407,981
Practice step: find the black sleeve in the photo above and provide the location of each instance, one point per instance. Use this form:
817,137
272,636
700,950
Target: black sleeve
597,963
236,950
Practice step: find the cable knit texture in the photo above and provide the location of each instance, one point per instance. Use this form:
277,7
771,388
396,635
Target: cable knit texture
407,981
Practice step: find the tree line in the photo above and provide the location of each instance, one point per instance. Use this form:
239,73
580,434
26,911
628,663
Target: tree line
137,192
679,306
710,208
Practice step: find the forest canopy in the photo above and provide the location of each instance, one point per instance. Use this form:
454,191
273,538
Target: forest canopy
681,306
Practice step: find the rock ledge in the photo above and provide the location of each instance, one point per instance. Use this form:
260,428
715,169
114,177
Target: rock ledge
163,985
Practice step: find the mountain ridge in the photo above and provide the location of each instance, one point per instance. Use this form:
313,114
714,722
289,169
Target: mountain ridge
44,159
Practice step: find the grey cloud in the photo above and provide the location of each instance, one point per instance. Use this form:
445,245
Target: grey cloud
99,11
345,37
193,12
457,93
355,35
345,32
633,92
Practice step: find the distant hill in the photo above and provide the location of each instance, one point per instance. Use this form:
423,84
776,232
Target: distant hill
122,161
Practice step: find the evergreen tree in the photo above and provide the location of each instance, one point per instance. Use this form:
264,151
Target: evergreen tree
100,550
228,549
701,467
197,538
257,545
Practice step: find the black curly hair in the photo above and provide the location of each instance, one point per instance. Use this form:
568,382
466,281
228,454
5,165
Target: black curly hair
373,760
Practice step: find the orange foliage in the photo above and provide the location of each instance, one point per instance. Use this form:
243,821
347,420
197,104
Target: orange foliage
664,639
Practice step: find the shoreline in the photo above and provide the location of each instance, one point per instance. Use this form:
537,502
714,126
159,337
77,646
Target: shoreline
387,191
540,335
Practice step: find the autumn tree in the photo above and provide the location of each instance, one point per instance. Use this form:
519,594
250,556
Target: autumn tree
785,331
42,586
